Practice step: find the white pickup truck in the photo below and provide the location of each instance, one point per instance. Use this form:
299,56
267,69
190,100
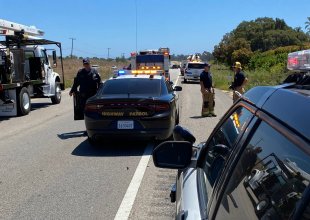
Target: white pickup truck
25,69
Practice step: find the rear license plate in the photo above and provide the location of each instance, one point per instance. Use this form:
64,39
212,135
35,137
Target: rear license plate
124,124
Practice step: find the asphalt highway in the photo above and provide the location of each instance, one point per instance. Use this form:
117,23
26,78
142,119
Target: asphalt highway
48,170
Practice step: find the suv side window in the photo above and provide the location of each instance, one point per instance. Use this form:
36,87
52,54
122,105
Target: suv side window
219,148
269,179
169,87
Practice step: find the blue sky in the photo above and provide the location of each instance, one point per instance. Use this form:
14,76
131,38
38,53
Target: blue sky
183,26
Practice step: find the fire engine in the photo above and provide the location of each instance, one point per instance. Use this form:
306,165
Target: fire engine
25,69
151,62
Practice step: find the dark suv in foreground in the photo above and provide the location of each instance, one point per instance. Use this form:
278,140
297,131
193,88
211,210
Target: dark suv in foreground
254,165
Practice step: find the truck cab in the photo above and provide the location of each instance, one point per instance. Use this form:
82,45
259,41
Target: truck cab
146,60
26,70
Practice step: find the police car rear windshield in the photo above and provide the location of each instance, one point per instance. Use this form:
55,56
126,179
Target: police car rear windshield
195,66
138,86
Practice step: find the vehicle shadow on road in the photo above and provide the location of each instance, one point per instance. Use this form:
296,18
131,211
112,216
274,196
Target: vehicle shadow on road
110,149
3,118
190,82
35,106
197,117
69,135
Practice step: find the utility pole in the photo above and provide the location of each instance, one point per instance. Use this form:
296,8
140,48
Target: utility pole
109,52
72,39
136,26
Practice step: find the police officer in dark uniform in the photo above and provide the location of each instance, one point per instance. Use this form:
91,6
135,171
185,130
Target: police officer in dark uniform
207,91
88,81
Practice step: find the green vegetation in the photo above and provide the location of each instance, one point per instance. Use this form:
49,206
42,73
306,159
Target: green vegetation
223,76
251,38
262,46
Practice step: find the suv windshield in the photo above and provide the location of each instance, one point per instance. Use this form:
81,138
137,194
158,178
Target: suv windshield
131,86
195,66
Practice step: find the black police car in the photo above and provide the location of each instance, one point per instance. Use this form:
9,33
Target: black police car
254,165
133,106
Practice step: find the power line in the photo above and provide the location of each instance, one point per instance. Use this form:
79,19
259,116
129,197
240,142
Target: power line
72,39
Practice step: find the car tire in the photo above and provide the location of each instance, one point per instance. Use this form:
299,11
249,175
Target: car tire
57,97
23,102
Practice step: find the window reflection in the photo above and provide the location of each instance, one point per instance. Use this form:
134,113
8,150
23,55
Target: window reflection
220,147
269,179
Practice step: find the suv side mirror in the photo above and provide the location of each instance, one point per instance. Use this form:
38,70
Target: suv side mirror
177,88
183,134
173,154
54,59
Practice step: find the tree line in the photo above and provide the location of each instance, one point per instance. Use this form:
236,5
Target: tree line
252,38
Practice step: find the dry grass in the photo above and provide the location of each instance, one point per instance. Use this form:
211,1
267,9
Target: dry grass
71,67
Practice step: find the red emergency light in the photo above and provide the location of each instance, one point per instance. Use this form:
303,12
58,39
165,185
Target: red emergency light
293,61
3,32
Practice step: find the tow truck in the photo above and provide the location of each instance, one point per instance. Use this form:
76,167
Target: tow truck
193,68
149,61
25,69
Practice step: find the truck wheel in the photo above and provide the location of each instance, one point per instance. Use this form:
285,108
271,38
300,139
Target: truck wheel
23,102
57,98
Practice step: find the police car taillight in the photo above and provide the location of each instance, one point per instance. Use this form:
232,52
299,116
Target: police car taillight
92,107
299,60
161,107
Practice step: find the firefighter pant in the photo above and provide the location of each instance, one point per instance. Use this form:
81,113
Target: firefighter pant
208,103
239,89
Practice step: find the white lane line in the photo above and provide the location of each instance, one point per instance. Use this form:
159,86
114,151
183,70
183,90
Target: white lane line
176,82
131,193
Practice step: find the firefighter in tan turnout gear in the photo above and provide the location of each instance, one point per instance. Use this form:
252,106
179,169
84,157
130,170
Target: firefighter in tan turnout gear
207,91
239,81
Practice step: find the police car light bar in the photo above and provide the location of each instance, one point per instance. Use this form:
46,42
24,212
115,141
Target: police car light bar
8,28
299,60
117,73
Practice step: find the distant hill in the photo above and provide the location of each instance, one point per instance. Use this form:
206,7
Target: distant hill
250,38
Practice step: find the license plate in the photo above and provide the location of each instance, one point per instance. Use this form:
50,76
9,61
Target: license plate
124,124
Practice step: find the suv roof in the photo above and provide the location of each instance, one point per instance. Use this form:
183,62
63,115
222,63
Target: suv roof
286,103
193,62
